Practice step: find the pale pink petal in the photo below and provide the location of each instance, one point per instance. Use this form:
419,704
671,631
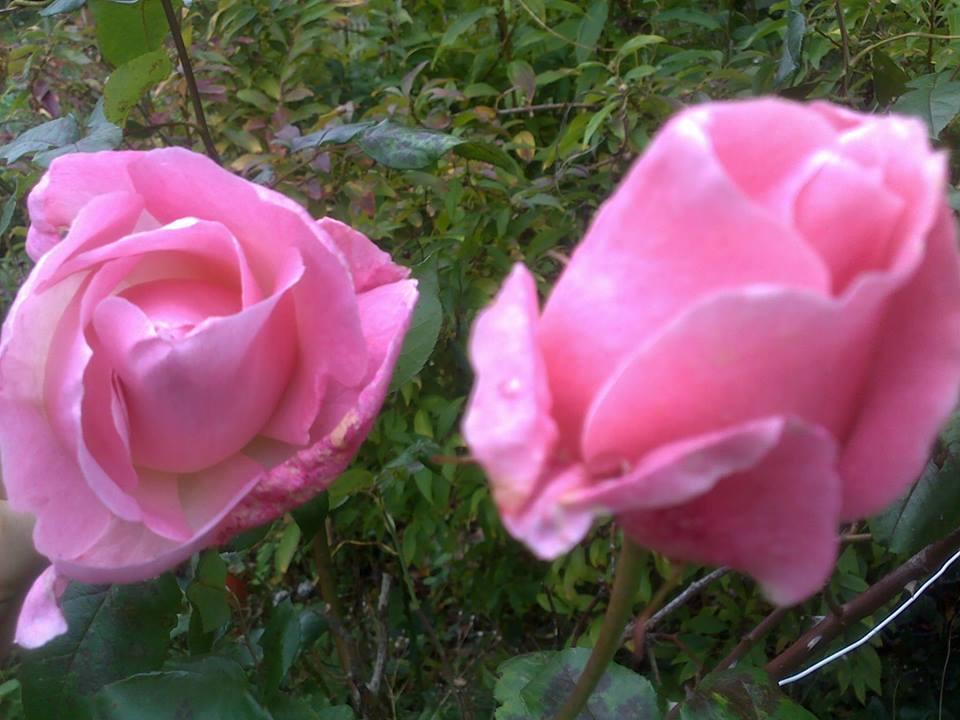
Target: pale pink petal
386,313
158,495
913,383
508,424
40,618
547,524
676,230
131,552
69,184
369,265
776,521
69,516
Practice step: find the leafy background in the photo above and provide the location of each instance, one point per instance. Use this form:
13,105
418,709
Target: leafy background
463,136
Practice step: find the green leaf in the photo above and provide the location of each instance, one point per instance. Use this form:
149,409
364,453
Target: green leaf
424,326
792,43
288,708
114,631
348,483
312,515
62,6
335,135
889,79
208,592
49,135
403,148
212,688
637,42
515,674
127,84
523,77
289,542
621,693
740,695
6,211
101,134
934,98
258,99
588,33
281,643
126,30
462,24
929,510
488,153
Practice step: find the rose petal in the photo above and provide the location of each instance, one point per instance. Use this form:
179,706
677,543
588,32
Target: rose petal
913,384
547,525
852,229
677,230
777,521
682,470
178,390
41,619
762,143
327,318
69,184
131,552
369,265
740,356
508,425
344,422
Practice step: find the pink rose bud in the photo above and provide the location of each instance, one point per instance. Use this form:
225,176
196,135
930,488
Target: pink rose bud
191,356
757,340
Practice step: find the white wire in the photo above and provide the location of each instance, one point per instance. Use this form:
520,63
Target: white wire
889,619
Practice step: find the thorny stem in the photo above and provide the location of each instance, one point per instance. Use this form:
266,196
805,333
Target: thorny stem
625,586
188,75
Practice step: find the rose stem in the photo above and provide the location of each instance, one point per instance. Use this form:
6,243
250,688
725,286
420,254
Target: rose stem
191,81
625,586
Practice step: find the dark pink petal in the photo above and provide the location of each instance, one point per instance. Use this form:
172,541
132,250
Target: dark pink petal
369,265
508,424
676,230
913,382
344,422
849,215
331,345
743,355
776,521
763,143
70,183
681,470
178,390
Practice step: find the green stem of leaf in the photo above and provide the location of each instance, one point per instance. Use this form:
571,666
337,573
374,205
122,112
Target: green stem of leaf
625,586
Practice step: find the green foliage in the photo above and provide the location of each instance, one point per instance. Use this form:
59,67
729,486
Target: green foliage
126,30
535,686
130,81
114,631
740,695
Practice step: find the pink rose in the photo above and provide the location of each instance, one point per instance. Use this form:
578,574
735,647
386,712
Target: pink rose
192,355
757,340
